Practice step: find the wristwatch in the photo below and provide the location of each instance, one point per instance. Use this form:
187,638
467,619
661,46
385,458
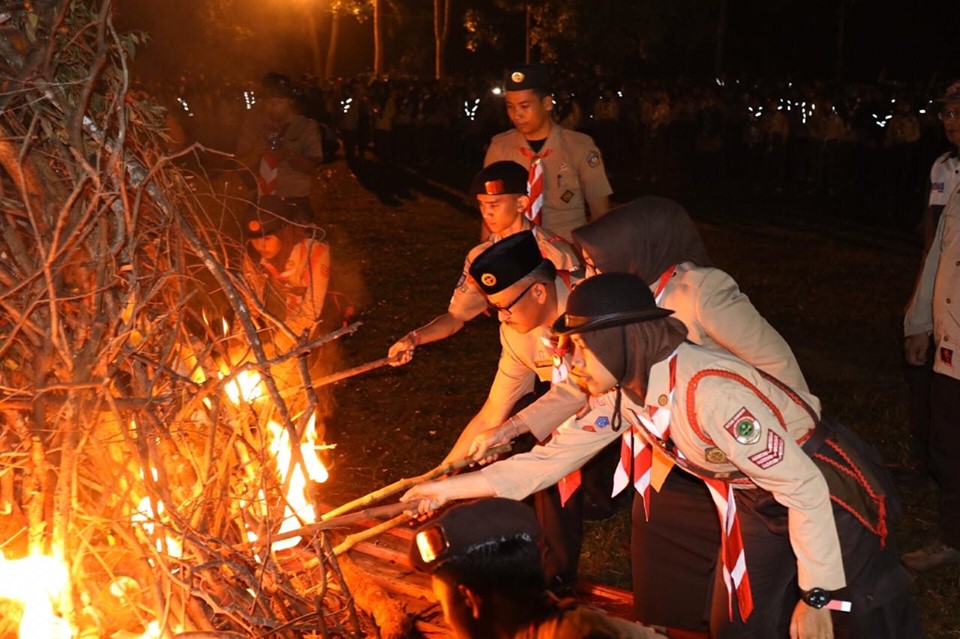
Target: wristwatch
816,597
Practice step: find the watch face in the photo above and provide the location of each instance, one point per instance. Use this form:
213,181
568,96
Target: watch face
817,597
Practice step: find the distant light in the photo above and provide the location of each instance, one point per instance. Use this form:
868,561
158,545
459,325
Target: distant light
186,107
496,91
249,99
923,111
471,111
620,94
345,104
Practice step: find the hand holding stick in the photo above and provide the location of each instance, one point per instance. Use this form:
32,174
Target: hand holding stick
404,484
351,372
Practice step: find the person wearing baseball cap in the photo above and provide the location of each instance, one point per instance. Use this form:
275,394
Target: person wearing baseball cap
486,572
565,173
501,193
806,545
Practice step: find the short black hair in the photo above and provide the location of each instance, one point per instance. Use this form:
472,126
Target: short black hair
509,567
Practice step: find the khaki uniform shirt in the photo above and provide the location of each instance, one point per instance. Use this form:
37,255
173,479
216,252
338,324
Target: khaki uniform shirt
718,316
468,300
715,395
573,174
935,305
525,357
303,283
301,135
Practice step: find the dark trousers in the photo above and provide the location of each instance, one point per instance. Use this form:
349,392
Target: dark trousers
919,380
563,525
877,585
945,452
674,554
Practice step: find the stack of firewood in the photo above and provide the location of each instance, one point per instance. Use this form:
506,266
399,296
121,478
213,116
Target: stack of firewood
121,452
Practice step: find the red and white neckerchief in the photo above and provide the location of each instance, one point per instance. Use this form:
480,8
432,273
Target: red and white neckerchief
732,553
662,283
267,173
534,184
636,454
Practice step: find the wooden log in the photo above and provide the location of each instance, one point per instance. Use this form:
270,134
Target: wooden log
391,619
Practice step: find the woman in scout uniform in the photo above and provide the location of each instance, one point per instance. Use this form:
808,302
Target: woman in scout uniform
501,191
805,506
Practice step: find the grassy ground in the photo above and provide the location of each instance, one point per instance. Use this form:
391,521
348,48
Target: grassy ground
835,292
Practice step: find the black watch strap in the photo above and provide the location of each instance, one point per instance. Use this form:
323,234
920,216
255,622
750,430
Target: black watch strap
817,597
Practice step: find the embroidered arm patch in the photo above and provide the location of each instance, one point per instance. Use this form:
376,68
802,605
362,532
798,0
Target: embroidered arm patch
744,427
772,454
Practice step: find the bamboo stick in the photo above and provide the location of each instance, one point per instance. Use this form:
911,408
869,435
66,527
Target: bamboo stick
351,372
410,482
356,538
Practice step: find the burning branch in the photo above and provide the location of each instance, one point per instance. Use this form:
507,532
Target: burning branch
124,330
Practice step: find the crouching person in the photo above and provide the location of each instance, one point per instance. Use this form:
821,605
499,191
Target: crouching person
485,565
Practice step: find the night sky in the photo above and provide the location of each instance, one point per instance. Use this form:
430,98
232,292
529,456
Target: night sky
772,38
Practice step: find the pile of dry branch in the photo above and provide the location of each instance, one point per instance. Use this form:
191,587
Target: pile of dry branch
121,454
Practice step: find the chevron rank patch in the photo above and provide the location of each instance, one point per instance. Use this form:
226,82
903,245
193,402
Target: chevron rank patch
744,427
772,454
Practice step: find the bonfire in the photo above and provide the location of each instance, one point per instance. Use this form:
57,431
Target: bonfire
150,454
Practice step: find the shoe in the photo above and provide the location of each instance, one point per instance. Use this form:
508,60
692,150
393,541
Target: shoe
934,555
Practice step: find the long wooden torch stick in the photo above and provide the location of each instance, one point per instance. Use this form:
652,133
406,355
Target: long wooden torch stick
363,535
409,482
356,370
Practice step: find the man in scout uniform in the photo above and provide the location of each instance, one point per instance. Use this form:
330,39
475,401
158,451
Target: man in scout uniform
486,572
501,192
565,171
528,294
805,505
932,331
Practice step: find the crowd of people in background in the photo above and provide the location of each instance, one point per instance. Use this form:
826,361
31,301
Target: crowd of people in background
866,147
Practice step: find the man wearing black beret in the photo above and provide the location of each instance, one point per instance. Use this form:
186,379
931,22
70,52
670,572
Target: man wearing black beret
528,293
487,575
501,193
565,171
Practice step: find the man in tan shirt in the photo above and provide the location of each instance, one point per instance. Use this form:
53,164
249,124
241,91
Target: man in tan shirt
573,175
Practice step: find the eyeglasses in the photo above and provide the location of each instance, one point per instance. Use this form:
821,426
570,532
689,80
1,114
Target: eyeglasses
949,115
506,309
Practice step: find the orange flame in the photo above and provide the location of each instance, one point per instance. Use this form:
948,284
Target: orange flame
38,582
299,511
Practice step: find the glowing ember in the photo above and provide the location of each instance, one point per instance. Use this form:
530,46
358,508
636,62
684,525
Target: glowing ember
299,510
245,386
38,582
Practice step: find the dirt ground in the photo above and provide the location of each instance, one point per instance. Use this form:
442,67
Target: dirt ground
835,292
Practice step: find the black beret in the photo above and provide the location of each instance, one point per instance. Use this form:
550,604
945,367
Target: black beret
527,76
266,217
480,526
506,262
608,299
500,178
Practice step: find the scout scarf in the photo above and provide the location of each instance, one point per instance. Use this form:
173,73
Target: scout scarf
534,184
